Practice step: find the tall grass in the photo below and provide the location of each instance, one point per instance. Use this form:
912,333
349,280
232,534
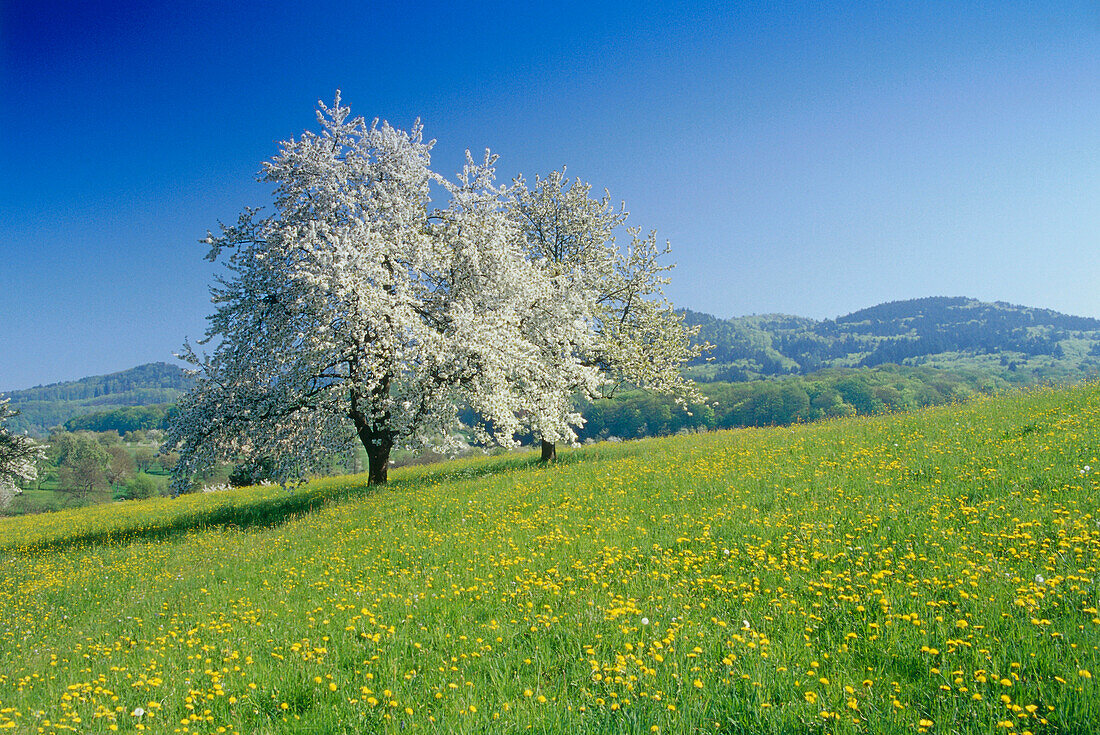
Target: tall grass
928,572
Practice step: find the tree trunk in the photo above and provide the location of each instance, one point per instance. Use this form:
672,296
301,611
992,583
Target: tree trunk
378,443
549,451
378,461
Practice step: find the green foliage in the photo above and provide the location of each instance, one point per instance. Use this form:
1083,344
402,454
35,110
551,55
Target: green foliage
83,463
123,420
121,466
826,394
142,486
152,376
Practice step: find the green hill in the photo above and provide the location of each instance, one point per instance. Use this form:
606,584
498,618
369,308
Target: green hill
925,572
47,406
1018,343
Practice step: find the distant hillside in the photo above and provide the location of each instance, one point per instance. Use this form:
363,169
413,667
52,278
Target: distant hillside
1021,343
46,406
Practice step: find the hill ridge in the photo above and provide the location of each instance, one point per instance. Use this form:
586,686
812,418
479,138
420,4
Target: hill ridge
45,406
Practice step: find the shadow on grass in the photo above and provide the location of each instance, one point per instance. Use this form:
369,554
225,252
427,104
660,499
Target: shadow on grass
267,512
242,512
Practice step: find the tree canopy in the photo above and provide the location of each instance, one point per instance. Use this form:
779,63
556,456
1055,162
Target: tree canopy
634,335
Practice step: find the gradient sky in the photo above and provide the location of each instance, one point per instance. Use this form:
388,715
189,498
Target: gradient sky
805,158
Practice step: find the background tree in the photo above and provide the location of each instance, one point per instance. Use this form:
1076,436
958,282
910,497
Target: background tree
357,310
19,456
143,459
120,465
83,463
140,486
168,460
633,337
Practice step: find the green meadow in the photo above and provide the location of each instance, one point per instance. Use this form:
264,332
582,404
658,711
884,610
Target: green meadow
931,572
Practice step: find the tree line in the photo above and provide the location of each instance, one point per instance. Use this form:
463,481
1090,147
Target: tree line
830,393
149,377
41,409
102,464
124,420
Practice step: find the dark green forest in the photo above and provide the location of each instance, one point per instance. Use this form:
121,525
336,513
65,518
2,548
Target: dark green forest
123,420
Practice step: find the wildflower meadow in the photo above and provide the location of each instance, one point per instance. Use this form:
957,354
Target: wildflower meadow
925,572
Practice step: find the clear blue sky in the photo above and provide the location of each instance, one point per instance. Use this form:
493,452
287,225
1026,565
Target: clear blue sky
805,158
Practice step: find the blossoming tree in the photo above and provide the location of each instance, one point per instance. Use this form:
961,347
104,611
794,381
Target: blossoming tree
634,336
360,309
19,457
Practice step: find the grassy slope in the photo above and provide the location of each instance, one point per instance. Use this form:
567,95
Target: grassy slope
894,574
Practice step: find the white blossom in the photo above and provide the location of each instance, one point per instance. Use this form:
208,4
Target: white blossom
607,321
19,457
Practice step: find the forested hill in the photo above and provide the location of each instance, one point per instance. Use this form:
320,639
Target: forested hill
46,406
948,332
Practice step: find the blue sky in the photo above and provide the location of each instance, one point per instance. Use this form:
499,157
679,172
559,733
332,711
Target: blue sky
805,158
